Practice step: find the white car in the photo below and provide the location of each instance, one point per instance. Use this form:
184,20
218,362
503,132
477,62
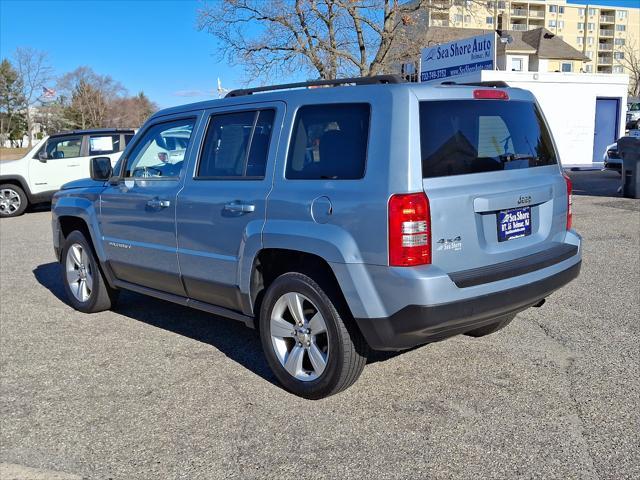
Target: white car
54,161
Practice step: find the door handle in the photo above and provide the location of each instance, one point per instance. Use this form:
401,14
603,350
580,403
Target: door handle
238,206
157,203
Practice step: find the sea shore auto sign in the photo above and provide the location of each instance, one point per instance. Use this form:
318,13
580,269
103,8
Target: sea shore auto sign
459,57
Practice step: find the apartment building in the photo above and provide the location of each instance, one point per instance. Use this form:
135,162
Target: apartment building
603,34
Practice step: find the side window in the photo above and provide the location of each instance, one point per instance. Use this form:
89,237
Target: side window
63,147
160,153
236,145
104,144
329,142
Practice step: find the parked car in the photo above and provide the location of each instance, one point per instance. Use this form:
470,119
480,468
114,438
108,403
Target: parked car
381,215
612,159
55,160
633,115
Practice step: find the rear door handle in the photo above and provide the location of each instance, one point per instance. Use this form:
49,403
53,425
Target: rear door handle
157,203
239,206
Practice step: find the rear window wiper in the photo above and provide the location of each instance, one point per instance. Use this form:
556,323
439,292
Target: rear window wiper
511,157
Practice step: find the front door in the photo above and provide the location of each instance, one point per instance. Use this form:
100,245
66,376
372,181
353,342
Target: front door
221,210
56,163
138,212
606,125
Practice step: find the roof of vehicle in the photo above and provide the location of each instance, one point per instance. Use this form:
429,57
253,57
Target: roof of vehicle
93,130
341,90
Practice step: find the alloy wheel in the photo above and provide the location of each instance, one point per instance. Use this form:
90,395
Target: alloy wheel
79,272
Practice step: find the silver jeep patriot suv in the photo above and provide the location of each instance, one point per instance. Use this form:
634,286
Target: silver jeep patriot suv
367,214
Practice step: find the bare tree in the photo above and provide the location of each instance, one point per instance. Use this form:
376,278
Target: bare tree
328,38
130,111
10,100
34,72
89,95
631,62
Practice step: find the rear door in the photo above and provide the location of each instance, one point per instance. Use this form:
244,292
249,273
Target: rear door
491,173
221,210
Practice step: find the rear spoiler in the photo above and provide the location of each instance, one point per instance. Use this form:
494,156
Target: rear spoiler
489,83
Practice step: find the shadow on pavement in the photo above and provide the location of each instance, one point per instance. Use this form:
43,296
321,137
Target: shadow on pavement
232,338
596,183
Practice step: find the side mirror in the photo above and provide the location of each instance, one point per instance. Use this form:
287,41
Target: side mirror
100,168
42,156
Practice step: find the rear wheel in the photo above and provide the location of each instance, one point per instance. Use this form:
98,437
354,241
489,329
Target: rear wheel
83,280
13,201
311,348
492,327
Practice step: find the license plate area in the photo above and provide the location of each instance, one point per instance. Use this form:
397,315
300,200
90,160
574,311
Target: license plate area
514,223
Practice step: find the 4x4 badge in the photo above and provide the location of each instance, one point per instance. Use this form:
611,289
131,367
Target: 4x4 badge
454,244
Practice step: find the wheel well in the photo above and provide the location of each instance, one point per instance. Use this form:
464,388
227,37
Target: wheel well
17,183
68,224
273,262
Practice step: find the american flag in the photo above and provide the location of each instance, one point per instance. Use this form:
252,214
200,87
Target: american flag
48,92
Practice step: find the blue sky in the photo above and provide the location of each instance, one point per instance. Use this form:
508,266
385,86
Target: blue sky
151,45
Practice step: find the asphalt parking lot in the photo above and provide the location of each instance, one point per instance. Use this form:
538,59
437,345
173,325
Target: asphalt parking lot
155,390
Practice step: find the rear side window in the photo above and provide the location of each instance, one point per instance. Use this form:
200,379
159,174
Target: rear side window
472,136
237,145
104,144
329,142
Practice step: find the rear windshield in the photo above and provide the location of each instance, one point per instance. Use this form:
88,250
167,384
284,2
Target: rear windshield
473,136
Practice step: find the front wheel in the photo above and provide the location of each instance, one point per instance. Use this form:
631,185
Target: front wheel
83,280
13,201
312,350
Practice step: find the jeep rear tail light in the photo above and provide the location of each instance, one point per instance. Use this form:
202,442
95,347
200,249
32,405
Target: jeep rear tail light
569,200
490,94
409,230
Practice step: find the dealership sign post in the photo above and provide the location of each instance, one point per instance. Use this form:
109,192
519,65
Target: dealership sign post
459,57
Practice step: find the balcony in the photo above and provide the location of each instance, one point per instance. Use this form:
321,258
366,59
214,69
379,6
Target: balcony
437,22
606,47
520,27
605,60
536,13
518,12
606,33
607,19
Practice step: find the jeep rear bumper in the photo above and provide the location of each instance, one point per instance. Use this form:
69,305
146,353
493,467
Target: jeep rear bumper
418,324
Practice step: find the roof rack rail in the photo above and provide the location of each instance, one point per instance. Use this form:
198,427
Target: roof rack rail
488,83
374,80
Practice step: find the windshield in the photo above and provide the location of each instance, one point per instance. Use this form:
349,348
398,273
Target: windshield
471,136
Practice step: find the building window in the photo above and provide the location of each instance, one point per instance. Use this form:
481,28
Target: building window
516,64
552,23
560,24
490,20
618,69
621,28
622,14
457,18
590,55
581,12
467,19
580,40
592,11
560,9
502,5
619,41
580,25
588,68
490,5
553,8
618,55
589,40
566,67
591,26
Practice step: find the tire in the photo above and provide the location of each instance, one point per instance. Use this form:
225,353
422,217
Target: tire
13,201
82,277
326,354
492,327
